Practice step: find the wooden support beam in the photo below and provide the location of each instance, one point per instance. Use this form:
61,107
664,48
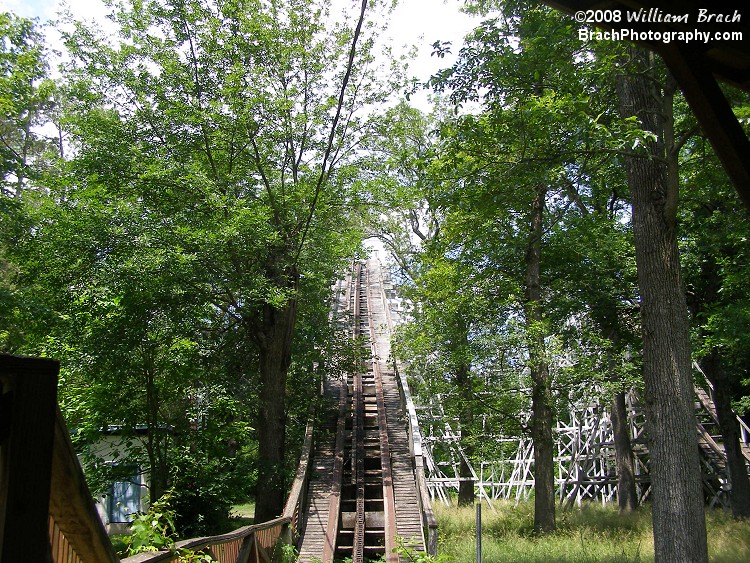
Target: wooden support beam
27,426
714,114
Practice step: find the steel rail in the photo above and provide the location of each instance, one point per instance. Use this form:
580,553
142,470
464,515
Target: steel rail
359,304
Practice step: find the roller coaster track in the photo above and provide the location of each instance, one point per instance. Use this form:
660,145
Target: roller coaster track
363,490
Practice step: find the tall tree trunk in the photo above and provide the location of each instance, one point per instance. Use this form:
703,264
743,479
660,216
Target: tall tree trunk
739,494
678,511
275,354
466,420
158,471
627,497
541,398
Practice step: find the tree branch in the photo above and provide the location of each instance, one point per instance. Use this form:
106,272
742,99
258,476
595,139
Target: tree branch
329,147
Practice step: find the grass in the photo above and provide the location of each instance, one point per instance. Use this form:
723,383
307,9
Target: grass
591,533
241,515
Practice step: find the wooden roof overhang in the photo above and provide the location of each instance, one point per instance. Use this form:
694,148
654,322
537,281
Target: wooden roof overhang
696,65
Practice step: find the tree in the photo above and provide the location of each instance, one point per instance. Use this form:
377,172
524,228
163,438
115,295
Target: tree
592,192
133,338
441,347
224,121
26,94
526,156
678,513
406,217
25,97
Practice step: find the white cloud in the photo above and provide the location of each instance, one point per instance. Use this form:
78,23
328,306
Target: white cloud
47,10
414,23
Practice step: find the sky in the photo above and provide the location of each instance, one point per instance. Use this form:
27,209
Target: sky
414,22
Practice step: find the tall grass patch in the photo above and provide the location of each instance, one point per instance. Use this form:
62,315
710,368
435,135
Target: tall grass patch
587,534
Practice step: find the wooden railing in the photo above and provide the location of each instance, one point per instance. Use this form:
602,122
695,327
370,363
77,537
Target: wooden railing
429,523
297,500
260,543
46,510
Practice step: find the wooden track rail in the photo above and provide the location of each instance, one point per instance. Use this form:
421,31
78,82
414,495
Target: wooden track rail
367,510
375,496
385,452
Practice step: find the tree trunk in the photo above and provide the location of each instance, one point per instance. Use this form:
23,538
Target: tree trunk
465,484
678,511
627,497
154,443
541,399
466,420
275,353
739,494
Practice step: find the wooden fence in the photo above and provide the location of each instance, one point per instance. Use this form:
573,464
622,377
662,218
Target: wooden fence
260,543
429,522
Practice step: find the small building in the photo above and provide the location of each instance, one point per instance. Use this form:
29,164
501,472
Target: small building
128,490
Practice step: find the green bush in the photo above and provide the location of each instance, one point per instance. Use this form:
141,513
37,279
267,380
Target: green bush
153,530
201,493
